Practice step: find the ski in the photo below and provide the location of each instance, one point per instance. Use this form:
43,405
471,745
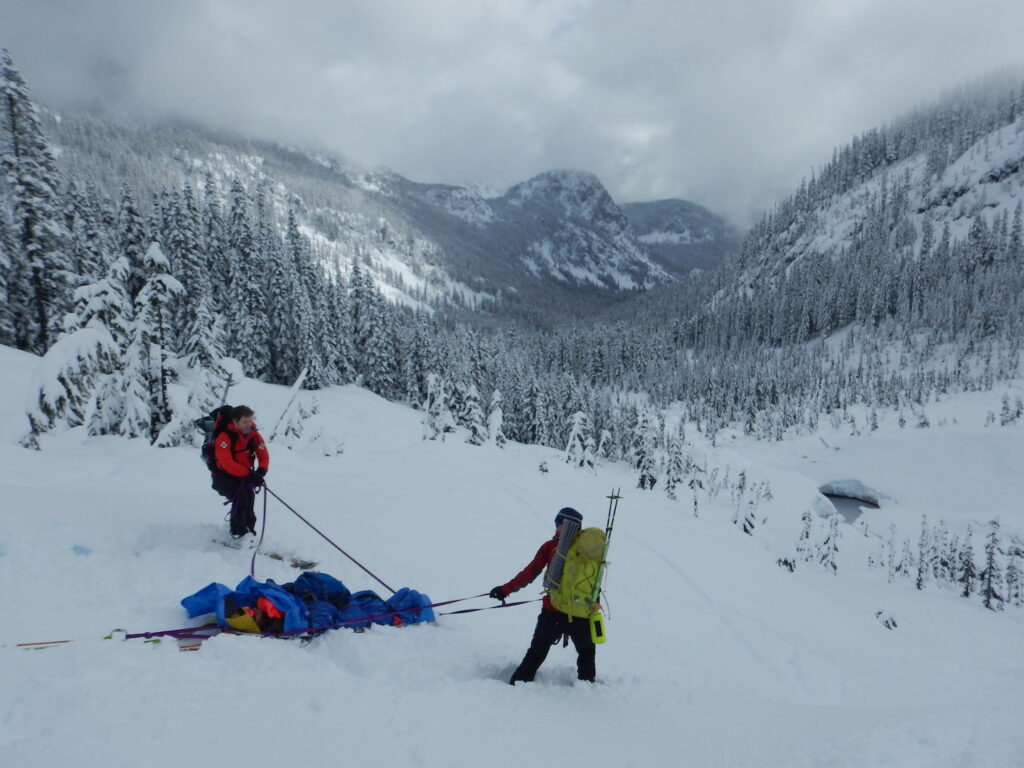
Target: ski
293,560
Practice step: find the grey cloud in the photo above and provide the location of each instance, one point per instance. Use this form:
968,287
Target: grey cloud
728,104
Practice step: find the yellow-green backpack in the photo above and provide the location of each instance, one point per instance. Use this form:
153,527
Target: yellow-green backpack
577,591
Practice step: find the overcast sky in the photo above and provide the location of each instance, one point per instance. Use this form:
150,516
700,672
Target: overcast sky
722,102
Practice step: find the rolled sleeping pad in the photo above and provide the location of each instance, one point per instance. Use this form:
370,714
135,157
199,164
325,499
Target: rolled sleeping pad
553,576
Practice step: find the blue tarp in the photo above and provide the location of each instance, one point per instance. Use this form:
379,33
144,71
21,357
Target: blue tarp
313,601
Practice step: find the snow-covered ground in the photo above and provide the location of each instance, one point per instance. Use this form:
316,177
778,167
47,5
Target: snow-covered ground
716,656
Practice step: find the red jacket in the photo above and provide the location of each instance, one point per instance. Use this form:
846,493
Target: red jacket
235,452
534,569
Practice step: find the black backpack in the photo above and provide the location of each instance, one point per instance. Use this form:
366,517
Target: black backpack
212,426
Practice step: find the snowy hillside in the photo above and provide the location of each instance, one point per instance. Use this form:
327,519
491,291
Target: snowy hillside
716,655
680,235
955,165
423,244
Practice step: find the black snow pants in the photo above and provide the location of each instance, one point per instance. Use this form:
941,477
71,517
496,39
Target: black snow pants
243,516
551,627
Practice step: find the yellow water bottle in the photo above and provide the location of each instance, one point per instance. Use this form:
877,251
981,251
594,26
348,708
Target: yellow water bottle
597,627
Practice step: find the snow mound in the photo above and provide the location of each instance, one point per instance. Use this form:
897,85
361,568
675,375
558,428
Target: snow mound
854,489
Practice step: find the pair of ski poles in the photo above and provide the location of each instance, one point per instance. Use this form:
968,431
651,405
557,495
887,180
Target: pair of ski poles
596,620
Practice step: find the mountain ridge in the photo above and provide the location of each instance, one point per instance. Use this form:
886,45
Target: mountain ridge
557,235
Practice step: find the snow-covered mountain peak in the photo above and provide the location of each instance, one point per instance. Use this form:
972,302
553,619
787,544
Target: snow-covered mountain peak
574,191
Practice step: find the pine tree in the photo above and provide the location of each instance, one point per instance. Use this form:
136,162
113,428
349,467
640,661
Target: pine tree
77,368
316,351
342,331
185,253
829,546
131,241
495,420
924,562
215,245
380,353
248,338
968,573
135,386
579,451
674,468
282,297
906,564
1014,591
37,286
65,380
6,279
151,334
644,451
473,417
991,576
438,420
535,416
890,554
804,547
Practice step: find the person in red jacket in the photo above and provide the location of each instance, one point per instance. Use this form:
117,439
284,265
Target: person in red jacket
552,624
236,448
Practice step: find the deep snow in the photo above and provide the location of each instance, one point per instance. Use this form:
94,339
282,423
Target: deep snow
716,656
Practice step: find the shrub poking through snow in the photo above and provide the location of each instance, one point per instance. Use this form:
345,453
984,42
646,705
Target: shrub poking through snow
886,619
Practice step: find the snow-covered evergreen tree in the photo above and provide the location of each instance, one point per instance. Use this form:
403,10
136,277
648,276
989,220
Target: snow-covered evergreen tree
675,468
473,417
380,363
438,420
151,360
829,547
991,576
38,291
495,421
646,435
804,544
315,349
579,451
214,241
6,249
968,572
131,241
890,555
64,381
535,416
1012,580
924,555
248,327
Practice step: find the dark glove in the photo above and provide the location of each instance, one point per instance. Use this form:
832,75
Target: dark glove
255,478
498,593
261,472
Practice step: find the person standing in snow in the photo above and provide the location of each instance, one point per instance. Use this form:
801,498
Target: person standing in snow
236,448
552,624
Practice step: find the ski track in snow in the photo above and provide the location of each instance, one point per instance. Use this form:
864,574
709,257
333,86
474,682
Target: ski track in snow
740,638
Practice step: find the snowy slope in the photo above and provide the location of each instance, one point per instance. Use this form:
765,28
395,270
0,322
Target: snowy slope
716,656
680,235
987,178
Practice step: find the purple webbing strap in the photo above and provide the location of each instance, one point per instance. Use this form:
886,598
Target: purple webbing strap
191,632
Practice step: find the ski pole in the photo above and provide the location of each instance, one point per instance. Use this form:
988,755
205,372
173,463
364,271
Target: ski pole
295,391
227,387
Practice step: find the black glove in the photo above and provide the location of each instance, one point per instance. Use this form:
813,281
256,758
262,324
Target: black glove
498,593
255,478
261,472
